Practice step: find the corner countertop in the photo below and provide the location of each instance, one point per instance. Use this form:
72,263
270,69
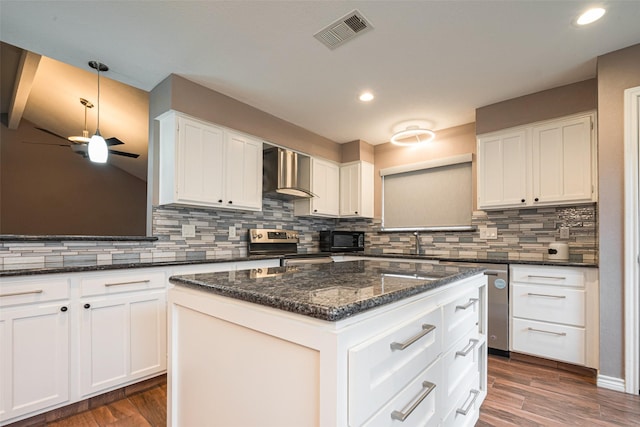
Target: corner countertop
329,292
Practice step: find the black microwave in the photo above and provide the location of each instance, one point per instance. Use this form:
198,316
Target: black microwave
341,241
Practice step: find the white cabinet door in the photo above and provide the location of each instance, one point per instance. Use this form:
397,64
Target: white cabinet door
34,358
243,172
356,190
502,170
199,163
325,177
122,338
562,161
325,184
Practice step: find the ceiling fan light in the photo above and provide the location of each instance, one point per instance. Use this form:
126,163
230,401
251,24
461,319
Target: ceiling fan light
97,148
412,135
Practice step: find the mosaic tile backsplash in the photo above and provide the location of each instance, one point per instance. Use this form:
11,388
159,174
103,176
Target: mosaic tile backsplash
523,234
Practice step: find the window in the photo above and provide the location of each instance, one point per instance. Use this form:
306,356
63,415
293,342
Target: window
429,195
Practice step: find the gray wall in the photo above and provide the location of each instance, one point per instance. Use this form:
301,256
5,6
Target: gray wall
617,71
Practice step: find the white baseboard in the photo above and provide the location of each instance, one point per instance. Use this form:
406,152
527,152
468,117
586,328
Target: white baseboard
611,383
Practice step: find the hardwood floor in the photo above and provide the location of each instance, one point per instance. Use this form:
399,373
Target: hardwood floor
148,408
520,394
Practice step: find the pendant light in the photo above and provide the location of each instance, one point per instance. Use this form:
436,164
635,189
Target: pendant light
98,151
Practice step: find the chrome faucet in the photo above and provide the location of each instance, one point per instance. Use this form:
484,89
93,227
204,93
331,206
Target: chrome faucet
415,233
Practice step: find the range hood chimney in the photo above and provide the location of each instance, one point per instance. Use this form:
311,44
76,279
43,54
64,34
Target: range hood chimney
287,174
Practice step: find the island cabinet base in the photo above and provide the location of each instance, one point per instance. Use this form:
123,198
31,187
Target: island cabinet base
421,359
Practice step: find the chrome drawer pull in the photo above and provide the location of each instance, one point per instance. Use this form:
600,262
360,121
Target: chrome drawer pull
546,295
472,344
560,334
464,411
426,328
126,283
402,415
546,277
467,305
13,294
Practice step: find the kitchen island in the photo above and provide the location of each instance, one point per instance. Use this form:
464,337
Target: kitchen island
340,344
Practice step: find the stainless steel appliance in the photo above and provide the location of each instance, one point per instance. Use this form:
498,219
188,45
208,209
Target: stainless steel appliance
287,174
341,241
498,306
269,241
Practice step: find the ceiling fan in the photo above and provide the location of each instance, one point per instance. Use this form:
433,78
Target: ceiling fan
79,144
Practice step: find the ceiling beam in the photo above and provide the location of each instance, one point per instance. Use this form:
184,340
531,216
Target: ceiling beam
24,81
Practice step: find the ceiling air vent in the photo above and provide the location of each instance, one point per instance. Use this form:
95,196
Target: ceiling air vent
343,29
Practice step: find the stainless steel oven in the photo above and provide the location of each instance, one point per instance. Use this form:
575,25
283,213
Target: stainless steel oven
270,241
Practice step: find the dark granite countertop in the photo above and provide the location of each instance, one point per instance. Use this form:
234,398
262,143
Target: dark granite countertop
332,291
76,267
472,260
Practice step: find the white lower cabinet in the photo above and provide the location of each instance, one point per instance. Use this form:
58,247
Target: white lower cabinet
122,330
388,366
554,313
35,350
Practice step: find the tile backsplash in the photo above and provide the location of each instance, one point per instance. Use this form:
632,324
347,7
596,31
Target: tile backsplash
523,234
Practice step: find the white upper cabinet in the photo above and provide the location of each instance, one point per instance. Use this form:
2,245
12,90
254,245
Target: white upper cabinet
563,161
549,163
356,190
325,184
502,170
202,164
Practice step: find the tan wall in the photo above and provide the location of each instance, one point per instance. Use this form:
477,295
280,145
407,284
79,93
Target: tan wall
196,100
545,105
448,142
357,150
49,190
617,71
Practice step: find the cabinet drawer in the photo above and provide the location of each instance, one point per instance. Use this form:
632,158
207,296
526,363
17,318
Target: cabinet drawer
28,291
548,276
466,408
379,368
460,316
423,394
558,342
549,304
461,367
126,282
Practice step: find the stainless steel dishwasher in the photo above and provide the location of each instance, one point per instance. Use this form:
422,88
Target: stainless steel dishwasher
498,305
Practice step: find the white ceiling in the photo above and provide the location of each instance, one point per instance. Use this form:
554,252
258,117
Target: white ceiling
433,61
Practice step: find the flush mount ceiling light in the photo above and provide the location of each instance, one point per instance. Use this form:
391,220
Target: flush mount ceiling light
98,151
366,97
413,135
85,133
590,16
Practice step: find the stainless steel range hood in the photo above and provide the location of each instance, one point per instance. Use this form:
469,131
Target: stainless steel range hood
287,174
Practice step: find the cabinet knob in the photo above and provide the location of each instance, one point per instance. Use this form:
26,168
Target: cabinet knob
356,212
220,201
230,201
64,308
522,200
315,210
535,200
87,306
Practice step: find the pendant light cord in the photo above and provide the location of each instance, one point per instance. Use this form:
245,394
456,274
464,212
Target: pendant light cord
98,124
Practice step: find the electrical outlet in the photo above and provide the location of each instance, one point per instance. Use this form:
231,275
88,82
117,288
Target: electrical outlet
489,233
232,231
188,230
564,232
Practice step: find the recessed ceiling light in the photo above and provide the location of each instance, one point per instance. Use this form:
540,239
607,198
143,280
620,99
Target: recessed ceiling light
366,97
590,16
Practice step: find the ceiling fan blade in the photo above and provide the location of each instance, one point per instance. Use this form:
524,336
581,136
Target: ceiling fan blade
122,153
113,141
51,133
46,143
